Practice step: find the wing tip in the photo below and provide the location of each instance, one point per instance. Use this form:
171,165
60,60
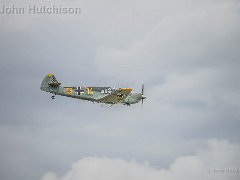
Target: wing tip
126,89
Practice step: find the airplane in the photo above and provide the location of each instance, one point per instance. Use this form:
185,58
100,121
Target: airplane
104,95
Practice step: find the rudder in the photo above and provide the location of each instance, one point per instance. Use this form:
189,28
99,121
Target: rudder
48,82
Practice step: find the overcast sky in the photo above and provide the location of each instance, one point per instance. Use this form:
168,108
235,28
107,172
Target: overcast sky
186,52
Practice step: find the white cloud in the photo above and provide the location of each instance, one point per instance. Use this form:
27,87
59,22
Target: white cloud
217,155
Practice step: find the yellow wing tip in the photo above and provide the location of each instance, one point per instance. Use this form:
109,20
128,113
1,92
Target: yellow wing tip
50,75
126,89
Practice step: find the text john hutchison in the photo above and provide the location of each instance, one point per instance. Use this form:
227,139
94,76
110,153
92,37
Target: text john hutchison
34,9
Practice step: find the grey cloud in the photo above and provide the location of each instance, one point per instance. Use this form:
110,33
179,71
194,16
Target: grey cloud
185,52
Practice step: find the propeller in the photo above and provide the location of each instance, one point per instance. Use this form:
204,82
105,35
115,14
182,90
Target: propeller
143,97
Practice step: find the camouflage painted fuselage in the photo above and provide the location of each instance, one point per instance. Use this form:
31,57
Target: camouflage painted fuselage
106,95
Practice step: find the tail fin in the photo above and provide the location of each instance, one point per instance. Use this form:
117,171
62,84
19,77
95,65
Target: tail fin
48,82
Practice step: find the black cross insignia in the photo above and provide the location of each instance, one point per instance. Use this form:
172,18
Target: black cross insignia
79,90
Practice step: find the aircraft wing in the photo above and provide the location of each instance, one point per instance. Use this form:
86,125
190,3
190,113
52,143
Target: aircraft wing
116,96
